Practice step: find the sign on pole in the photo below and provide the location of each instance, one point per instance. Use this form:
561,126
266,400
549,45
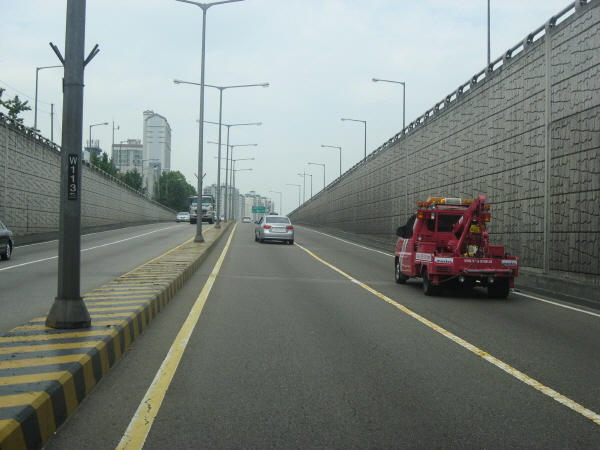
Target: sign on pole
258,209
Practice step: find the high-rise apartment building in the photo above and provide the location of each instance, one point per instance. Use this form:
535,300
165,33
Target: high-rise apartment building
128,155
157,148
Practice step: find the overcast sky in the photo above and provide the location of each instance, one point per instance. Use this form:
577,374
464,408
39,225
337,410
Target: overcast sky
319,57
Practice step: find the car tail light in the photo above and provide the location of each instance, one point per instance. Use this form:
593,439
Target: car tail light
267,227
289,227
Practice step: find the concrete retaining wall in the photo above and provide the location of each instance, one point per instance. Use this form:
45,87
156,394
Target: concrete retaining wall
29,195
524,132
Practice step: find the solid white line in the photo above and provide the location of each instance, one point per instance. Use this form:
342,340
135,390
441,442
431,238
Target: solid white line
557,304
139,427
587,413
86,249
348,242
517,293
83,235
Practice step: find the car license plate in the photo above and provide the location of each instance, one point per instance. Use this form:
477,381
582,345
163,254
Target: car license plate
279,229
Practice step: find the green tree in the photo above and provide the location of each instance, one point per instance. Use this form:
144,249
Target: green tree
172,190
14,106
103,163
133,179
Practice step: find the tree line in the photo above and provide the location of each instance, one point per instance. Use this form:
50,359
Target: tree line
14,106
171,188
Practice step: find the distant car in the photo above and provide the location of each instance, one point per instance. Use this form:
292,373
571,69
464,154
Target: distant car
183,217
246,219
274,228
7,244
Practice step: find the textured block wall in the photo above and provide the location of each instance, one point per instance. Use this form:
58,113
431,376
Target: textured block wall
527,136
29,189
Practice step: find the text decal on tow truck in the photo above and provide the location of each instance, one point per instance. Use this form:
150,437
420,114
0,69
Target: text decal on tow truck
444,260
509,262
423,257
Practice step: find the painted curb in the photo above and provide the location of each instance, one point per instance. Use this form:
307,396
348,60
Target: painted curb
46,373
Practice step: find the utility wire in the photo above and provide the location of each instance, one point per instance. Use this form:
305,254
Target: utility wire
24,95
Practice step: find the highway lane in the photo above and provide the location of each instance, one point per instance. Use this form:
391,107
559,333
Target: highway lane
28,281
289,353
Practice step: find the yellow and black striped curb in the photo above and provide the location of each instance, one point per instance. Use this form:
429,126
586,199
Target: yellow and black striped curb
45,373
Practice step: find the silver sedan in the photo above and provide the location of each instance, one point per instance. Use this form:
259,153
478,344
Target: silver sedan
274,228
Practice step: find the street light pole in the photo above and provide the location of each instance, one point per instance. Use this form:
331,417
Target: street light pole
95,125
204,7
221,89
403,128
403,97
299,188
232,147
340,148
317,164
113,133
365,123
227,178
37,70
233,177
121,153
488,34
280,201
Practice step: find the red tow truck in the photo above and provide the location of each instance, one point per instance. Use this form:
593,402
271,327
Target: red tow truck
446,243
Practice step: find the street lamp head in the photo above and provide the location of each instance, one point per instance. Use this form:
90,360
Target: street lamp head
177,81
376,79
105,123
265,85
344,119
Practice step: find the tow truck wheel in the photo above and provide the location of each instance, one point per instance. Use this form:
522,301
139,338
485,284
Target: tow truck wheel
500,288
400,277
429,288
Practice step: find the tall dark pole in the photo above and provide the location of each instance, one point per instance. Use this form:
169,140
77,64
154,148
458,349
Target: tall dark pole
228,192
219,190
199,237
204,7
68,309
488,34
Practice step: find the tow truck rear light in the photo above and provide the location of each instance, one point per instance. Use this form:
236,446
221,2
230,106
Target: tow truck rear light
267,227
486,207
423,215
431,200
450,201
486,216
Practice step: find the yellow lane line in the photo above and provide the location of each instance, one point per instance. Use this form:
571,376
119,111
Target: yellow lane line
588,414
139,427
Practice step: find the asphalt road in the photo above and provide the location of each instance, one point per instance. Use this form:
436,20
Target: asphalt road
29,280
290,353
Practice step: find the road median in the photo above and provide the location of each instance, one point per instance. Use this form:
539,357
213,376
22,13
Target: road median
46,373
